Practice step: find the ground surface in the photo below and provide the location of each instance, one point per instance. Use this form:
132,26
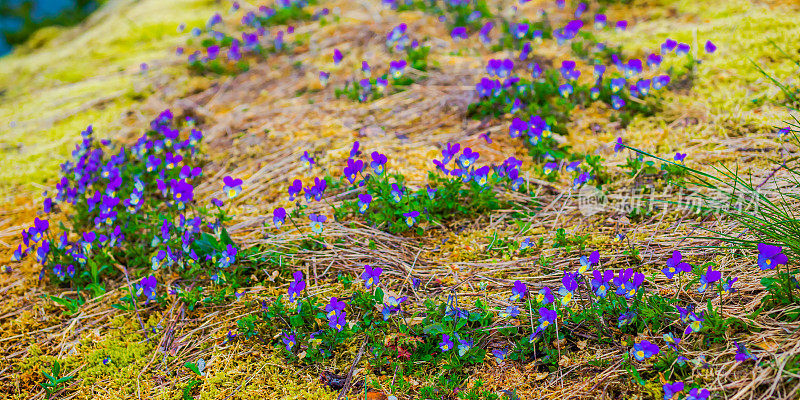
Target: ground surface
259,123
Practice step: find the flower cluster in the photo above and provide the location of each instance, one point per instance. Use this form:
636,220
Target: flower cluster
133,206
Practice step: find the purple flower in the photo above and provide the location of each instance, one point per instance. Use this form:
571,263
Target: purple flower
334,307
324,77
672,341
565,90
518,291
675,266
337,56
710,47
467,158
618,145
232,187
547,317
770,256
307,160
695,323
411,217
446,344
316,222
545,296
679,157
600,21
295,189
569,284
668,46
622,25
484,33
364,201
450,152
587,263
682,49
600,282
147,286
698,394
352,169
550,168
710,276
289,340
727,286
671,389
458,33
392,306
742,354
278,217
217,202
296,286
397,193
396,68
378,162
337,321
644,350
625,286
371,276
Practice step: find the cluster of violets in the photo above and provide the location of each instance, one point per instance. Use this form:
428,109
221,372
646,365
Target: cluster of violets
123,206
335,310
254,36
370,88
398,197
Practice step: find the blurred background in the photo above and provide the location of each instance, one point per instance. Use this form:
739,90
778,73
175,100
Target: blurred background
19,19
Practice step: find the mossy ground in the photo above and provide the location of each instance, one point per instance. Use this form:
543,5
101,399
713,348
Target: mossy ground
65,80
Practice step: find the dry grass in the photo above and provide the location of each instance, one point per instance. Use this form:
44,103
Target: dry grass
257,126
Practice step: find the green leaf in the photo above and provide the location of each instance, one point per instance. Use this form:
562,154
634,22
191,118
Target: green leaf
434,329
379,295
193,367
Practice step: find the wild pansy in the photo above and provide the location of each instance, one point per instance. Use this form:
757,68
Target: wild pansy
698,394
352,169
588,263
675,266
278,217
727,286
509,312
547,317
378,162
364,201
742,354
228,256
297,285
411,217
518,291
289,341
371,276
644,350
710,47
770,256
232,186
695,323
567,290
334,308
459,33
307,160
147,287
324,77
626,286
397,193
600,281
672,389
464,345
446,344
392,306
337,56
618,145
316,222
545,296
709,277
672,341
467,158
